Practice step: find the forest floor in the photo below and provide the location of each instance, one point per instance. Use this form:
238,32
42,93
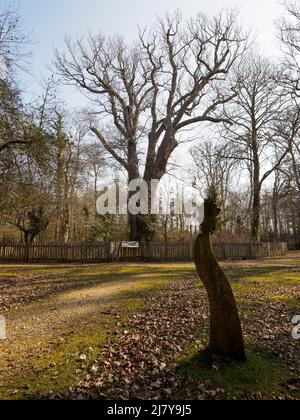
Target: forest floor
138,330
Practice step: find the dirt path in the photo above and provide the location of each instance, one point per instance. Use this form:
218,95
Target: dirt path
36,329
55,316
46,321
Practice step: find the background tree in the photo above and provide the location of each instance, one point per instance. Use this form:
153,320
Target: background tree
14,43
215,163
11,119
256,112
289,35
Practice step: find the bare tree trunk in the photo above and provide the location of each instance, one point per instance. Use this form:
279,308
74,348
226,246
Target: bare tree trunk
256,203
135,232
142,227
65,225
256,218
226,339
275,203
135,221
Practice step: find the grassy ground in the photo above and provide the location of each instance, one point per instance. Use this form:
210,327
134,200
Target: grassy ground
259,378
268,297
59,318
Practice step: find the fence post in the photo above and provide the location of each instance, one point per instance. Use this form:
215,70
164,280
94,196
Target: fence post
224,251
251,251
27,253
191,251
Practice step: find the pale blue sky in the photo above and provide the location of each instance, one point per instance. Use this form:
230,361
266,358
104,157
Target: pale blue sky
50,20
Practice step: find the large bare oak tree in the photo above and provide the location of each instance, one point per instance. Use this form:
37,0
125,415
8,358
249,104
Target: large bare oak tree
144,98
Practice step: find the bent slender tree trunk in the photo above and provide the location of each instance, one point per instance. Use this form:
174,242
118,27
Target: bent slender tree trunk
226,339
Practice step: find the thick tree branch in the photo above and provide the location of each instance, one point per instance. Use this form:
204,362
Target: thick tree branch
109,148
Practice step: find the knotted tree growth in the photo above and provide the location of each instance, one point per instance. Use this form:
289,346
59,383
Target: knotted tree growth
226,338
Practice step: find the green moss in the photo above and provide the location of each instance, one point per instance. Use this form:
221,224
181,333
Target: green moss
259,376
282,277
58,372
289,303
280,298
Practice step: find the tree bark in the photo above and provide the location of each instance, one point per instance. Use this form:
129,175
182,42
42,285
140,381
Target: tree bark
142,227
256,216
226,338
256,203
275,202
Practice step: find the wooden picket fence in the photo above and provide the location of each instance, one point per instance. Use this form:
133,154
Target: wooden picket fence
114,252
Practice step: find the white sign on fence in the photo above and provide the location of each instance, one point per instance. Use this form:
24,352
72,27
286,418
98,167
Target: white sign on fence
131,244
2,328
